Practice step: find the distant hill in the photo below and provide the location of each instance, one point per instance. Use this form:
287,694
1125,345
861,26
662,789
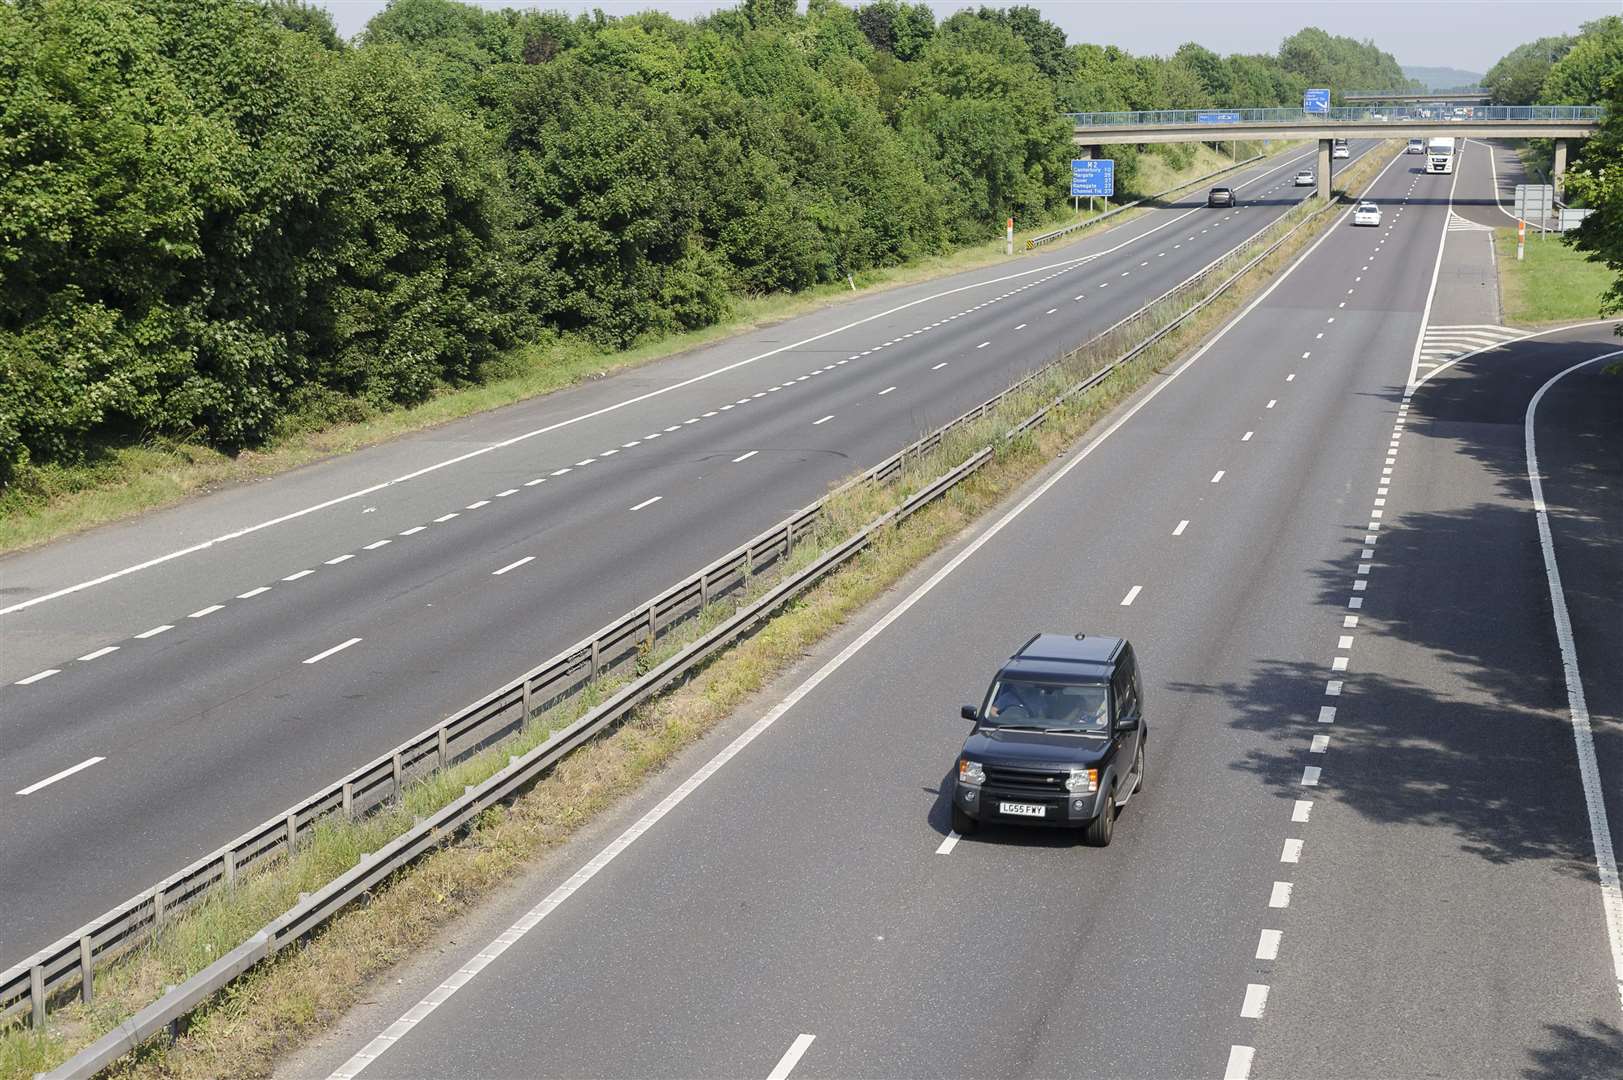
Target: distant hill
1443,78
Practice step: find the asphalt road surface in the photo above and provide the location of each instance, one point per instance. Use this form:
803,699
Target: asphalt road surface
1364,847
168,683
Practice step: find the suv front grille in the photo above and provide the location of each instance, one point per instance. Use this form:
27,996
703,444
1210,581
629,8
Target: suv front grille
1017,780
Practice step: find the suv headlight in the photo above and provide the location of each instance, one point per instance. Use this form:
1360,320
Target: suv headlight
970,772
1083,781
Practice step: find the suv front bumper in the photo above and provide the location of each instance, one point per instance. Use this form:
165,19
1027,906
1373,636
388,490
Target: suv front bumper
983,803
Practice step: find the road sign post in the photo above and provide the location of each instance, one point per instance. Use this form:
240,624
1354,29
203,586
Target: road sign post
1521,238
1534,202
1008,238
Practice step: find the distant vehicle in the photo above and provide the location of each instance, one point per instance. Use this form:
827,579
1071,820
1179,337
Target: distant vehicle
1440,154
1377,116
1340,151
1305,178
1220,196
1416,146
1367,214
1058,740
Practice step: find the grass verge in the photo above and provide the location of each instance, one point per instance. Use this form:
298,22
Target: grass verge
1553,283
296,996
51,501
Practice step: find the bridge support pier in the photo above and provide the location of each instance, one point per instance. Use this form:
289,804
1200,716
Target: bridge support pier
1558,172
1323,170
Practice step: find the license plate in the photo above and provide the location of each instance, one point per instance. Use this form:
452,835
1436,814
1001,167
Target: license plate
1020,809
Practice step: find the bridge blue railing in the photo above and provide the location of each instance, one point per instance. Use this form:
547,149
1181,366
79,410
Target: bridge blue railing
1474,113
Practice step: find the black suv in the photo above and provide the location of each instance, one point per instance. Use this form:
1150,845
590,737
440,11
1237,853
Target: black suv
1220,196
1059,740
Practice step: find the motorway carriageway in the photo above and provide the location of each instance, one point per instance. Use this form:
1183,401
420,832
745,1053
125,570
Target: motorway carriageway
789,900
152,716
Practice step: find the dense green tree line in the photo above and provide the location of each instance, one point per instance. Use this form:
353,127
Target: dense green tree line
1567,69
217,214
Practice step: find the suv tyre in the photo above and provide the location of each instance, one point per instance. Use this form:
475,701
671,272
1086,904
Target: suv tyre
1101,828
1138,768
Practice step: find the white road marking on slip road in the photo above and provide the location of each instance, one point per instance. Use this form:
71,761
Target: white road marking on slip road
1132,594
99,653
1182,525
745,456
39,676
1280,897
948,844
306,573
648,502
251,593
983,345
1217,476
885,391
1268,945
1256,999
791,1057
320,656
1292,852
1239,1064
939,366
64,774
824,420
1302,810
1583,736
155,631
210,610
512,566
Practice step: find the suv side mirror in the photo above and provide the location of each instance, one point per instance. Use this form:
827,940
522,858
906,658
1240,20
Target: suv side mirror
969,712
1127,723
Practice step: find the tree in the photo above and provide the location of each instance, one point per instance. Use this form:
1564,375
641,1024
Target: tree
1518,76
1209,68
1578,78
1597,182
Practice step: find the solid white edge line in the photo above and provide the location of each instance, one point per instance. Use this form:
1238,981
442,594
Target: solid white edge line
949,843
64,774
1431,292
336,500
1583,736
442,993
320,656
791,1057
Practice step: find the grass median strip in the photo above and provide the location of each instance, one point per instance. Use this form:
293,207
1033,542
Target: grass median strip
50,501
1553,283
301,993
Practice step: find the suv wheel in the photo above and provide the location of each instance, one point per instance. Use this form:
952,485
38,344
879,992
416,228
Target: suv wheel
962,823
1138,768
1102,826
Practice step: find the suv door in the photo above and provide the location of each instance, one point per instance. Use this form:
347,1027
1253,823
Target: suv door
1129,703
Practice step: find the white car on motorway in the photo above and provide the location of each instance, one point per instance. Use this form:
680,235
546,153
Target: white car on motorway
1305,178
1367,214
1340,151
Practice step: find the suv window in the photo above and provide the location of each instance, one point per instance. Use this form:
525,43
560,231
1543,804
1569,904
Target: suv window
1047,706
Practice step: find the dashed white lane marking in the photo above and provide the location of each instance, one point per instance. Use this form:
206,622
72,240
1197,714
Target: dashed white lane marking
415,529
251,593
1182,525
939,366
63,775
1268,945
791,1057
514,491
335,560
512,566
1256,1000
1022,326
477,505
648,502
634,442
323,654
154,632
983,345
1302,810
1320,744
374,545
1271,403
1247,436
1132,594
1280,897
824,420
1051,311
745,456
302,574
1291,377
1217,476
1339,664
948,844
566,469
443,518
1327,713
1292,852
210,610
39,676
1310,776
885,391
99,653
1239,1064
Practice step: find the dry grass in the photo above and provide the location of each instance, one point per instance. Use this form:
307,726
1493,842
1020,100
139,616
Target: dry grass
50,502
287,1001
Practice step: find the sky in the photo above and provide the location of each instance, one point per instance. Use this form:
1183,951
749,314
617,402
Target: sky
1465,34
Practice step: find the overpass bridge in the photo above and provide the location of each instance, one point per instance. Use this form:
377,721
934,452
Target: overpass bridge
1559,123
1471,96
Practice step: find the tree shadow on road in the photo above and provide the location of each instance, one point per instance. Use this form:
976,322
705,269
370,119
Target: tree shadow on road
1596,1053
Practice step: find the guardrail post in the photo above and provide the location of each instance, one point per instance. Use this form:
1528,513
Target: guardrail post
526,694
292,832
444,740
396,773
87,970
157,906
704,591
349,800
595,659
788,540
653,623
36,996
228,866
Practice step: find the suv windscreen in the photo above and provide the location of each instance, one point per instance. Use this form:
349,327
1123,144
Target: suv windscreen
1027,705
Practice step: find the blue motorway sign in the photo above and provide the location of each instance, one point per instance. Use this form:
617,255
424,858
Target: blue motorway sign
1218,117
1093,176
1316,101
